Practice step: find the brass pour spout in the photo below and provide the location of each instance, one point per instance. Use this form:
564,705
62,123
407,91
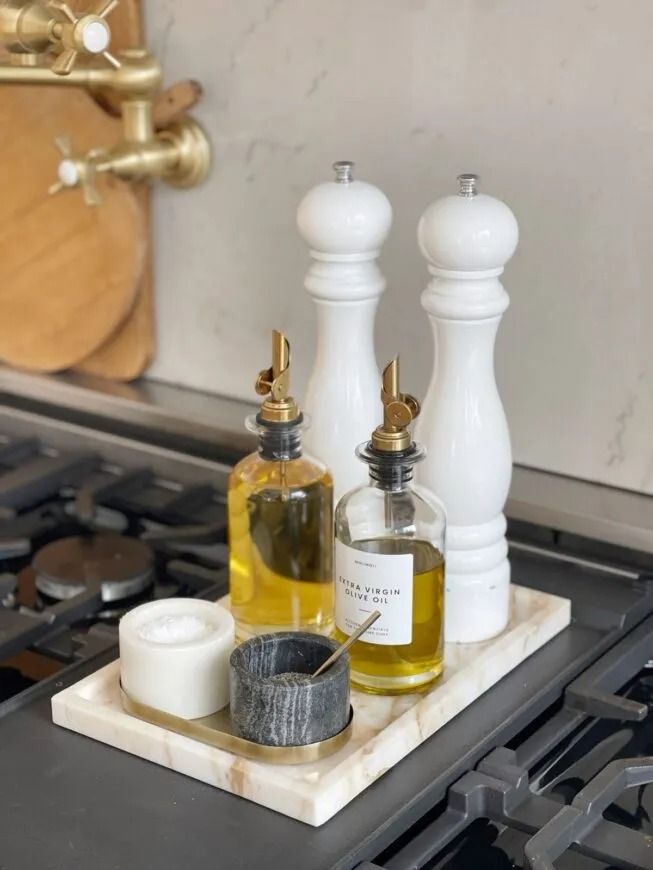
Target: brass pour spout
275,383
399,411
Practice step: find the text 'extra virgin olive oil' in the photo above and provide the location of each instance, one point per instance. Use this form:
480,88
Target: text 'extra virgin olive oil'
280,520
389,556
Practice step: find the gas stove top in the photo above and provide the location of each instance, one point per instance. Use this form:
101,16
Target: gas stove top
573,790
104,504
84,539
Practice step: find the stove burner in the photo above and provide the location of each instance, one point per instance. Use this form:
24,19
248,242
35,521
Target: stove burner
123,566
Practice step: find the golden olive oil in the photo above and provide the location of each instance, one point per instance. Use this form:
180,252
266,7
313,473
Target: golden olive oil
280,507
280,533
395,669
389,558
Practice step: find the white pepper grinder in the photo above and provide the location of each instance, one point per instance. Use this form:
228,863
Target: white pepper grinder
344,222
467,239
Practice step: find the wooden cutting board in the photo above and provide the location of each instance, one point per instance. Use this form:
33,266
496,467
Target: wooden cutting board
71,277
69,274
129,350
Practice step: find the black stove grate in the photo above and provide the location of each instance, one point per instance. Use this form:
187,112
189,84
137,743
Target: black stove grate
575,792
47,495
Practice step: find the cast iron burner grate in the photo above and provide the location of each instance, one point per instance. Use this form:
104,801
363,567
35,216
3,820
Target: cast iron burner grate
576,793
82,541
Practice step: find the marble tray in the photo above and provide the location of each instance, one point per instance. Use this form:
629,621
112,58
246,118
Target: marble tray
385,729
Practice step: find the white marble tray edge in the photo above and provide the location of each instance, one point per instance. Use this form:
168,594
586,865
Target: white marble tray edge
115,728
387,729
419,722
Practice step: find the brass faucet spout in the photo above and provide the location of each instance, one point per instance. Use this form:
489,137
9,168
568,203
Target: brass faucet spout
137,162
139,75
43,75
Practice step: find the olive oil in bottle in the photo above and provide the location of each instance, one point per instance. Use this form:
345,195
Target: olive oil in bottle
389,556
280,506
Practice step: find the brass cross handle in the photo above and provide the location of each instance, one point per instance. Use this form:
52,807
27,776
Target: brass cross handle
77,172
86,34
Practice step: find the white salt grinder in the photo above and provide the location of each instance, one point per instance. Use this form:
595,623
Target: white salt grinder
467,239
344,222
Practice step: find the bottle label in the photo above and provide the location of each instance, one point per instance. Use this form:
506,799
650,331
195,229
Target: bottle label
366,582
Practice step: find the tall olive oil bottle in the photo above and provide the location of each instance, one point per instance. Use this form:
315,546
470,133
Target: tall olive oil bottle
389,556
280,505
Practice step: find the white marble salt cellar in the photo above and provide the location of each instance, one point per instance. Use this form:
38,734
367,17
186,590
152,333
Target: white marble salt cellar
174,656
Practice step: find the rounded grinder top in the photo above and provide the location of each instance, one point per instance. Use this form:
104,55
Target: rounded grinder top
468,231
344,219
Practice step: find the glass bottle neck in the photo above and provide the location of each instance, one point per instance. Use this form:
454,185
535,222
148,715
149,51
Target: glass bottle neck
280,444
390,471
391,477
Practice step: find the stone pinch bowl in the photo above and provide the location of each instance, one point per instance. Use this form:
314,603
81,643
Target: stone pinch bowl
294,710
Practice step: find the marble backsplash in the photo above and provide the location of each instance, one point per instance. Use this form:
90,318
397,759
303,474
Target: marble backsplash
541,99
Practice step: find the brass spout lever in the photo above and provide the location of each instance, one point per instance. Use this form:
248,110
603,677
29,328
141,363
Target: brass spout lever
275,380
399,411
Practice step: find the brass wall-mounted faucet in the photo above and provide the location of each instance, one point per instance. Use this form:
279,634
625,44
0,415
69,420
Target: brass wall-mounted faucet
46,40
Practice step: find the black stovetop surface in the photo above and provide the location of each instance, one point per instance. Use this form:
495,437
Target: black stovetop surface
471,796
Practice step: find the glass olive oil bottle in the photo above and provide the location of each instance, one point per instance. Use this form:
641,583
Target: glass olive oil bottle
280,505
389,556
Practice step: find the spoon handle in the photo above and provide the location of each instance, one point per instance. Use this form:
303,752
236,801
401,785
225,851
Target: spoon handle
362,628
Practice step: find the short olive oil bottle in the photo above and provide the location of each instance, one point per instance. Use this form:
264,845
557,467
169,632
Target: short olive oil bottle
280,505
389,556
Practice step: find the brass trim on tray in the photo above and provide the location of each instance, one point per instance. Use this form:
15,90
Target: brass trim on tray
216,730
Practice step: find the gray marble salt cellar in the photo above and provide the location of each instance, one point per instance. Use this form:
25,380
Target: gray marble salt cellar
273,698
